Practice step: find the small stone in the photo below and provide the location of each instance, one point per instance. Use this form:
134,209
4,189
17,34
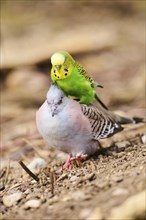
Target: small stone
120,192
33,181
3,209
33,203
122,145
28,191
62,177
102,184
143,138
85,213
117,177
133,208
66,198
53,200
96,214
91,176
12,199
78,195
74,178
2,187
120,154
37,164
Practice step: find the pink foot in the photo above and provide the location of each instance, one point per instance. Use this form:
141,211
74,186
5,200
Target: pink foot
71,159
79,158
67,164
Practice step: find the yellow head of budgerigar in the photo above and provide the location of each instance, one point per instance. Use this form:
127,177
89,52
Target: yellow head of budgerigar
60,66
57,59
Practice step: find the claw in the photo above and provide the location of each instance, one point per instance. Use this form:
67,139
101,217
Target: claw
67,164
70,160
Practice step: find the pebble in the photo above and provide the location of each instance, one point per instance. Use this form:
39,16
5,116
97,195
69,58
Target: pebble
91,176
53,200
2,187
62,177
37,164
3,209
85,213
101,184
120,154
12,199
122,145
66,198
33,182
143,138
28,191
78,195
133,208
120,192
33,203
74,178
117,178
96,214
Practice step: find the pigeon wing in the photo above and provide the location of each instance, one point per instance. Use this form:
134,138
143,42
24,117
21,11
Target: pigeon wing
103,124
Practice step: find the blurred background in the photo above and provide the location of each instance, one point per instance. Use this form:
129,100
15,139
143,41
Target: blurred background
106,37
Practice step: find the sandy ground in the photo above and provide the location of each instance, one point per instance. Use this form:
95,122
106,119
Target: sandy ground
107,186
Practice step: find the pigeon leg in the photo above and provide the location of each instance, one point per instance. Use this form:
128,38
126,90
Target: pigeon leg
71,159
79,158
67,164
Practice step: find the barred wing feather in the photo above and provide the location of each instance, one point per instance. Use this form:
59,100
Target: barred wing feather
103,124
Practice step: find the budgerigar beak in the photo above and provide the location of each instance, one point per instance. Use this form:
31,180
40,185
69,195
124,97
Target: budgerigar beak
58,67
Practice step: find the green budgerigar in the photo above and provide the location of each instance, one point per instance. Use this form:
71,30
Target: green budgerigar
73,79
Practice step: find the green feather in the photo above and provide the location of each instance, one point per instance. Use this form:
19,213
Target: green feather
73,79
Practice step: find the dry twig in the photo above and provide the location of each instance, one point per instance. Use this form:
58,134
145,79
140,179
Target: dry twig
52,180
28,171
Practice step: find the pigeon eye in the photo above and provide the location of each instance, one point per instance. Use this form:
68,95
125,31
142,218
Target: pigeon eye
60,101
65,69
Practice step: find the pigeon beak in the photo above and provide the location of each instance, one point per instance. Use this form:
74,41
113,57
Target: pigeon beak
53,110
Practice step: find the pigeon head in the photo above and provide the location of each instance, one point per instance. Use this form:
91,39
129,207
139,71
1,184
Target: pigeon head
55,99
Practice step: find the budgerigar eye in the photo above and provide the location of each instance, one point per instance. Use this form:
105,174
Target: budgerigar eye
65,69
54,71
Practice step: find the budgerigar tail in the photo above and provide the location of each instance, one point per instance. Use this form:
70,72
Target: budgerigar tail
101,103
127,120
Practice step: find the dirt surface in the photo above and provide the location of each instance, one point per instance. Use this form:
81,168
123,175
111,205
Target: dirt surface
106,180
109,185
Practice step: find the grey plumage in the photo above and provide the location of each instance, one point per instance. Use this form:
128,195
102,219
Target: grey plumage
74,128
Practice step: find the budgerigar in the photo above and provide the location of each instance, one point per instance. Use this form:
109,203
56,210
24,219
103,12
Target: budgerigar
73,79
73,127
